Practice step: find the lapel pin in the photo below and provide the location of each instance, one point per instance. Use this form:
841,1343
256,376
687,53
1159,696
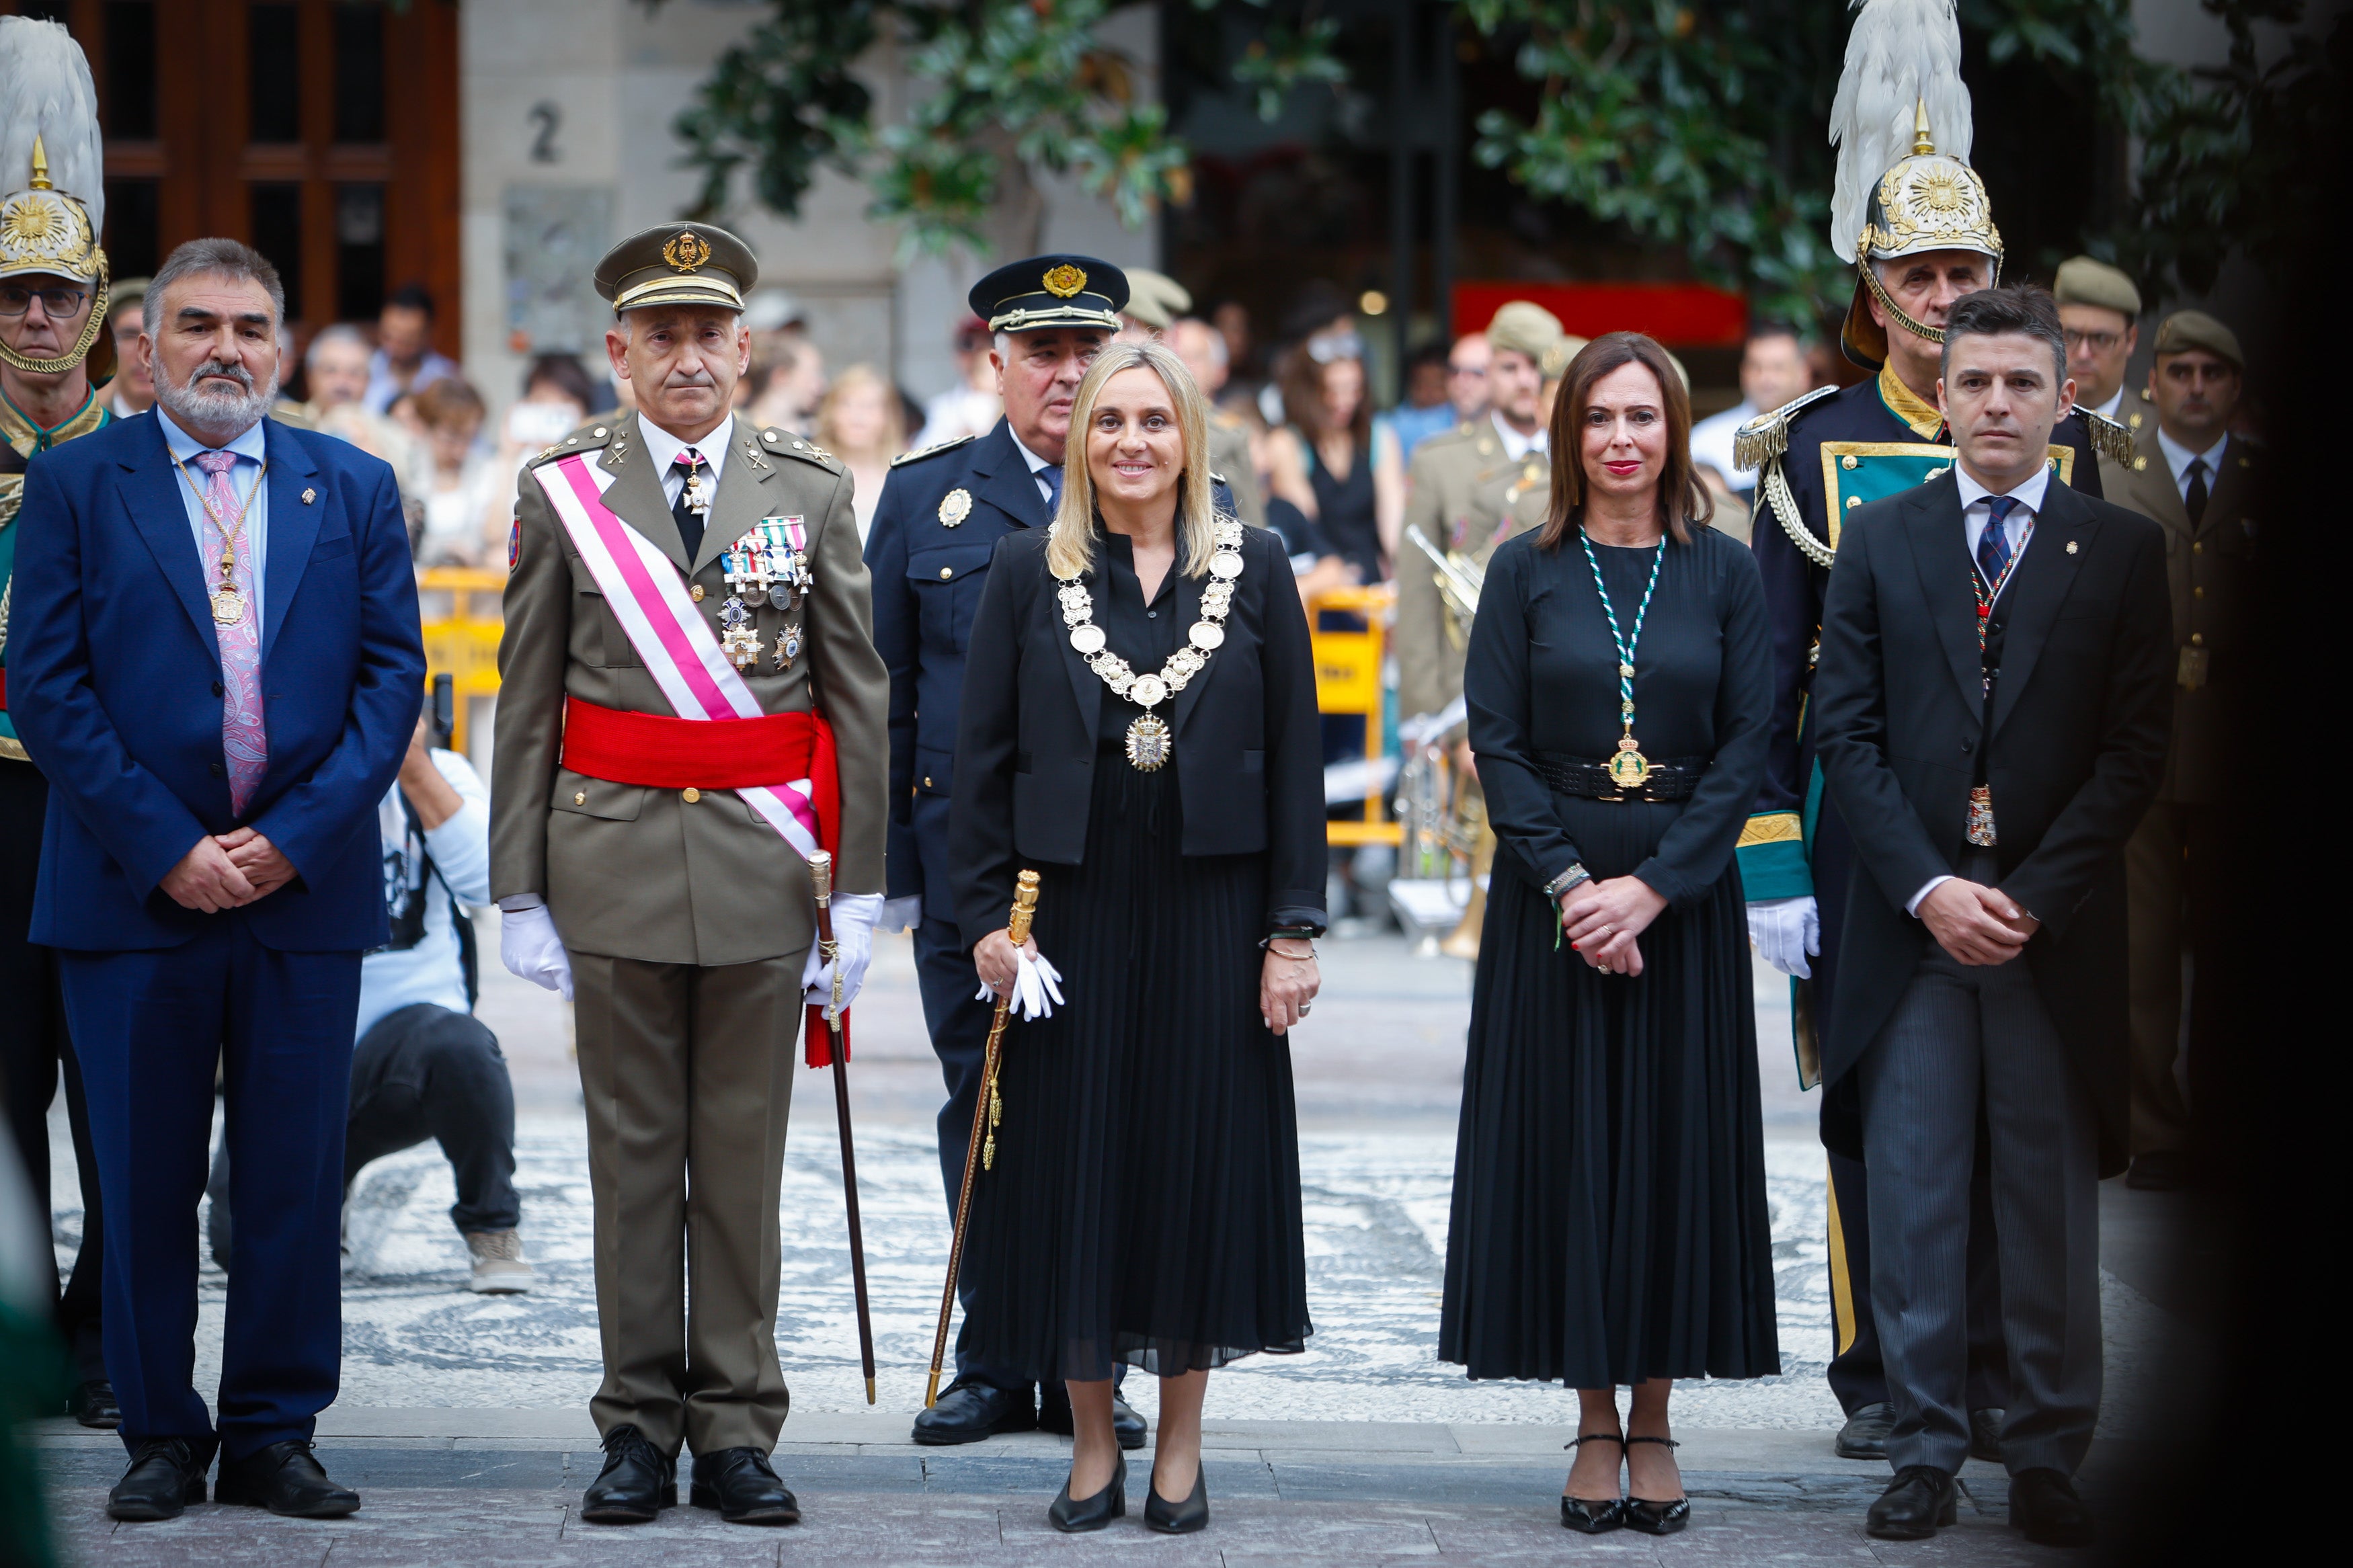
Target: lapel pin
309,496
2070,547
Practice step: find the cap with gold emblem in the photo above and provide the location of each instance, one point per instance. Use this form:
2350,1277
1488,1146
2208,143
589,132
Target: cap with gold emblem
2086,281
2186,330
678,264
1051,291
52,169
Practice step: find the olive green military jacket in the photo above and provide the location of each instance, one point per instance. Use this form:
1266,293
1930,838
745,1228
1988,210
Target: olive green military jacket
1513,500
1447,469
2211,572
630,871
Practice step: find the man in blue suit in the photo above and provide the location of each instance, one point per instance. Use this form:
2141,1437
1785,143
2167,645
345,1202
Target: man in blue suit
214,657
939,518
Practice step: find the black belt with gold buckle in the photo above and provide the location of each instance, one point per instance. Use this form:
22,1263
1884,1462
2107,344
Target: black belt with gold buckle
1586,777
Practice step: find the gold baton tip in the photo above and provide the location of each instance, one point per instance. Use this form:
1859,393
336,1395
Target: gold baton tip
870,1391
932,1390
820,866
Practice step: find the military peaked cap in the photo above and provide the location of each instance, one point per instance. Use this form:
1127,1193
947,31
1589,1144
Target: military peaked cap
2085,281
678,264
2196,330
1051,291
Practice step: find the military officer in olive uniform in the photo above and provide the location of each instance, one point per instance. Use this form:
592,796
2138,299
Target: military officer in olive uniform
2099,309
1920,233
2202,484
1447,469
937,523
678,915
55,356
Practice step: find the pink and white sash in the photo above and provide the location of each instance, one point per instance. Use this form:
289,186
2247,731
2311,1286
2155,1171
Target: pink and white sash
648,596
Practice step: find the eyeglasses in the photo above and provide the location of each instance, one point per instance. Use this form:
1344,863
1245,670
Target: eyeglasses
1477,370
62,301
2098,343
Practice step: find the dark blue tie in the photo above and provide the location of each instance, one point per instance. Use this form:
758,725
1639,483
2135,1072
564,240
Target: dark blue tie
1993,544
1052,474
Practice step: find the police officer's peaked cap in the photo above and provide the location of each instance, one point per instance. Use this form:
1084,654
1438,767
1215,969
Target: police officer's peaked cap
1051,292
678,264
2085,280
2186,330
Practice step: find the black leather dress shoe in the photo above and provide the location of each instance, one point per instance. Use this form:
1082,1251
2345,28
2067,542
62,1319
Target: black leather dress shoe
971,1410
2159,1171
286,1478
1177,1518
1054,1415
636,1483
1656,1518
2043,1504
1864,1436
1919,1502
92,1403
166,1475
740,1485
1985,1436
1593,1516
1075,1517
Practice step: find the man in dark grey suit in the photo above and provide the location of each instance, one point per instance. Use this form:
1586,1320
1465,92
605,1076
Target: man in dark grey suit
1995,703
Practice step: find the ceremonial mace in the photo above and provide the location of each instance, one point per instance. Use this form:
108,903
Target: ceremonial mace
821,878
984,1106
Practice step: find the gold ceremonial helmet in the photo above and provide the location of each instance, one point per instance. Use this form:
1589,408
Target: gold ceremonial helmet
1928,201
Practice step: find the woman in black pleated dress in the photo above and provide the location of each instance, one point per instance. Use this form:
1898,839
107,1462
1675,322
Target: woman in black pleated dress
1138,725
1609,1222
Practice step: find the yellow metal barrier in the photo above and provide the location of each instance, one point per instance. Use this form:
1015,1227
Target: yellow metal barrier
462,618
1349,627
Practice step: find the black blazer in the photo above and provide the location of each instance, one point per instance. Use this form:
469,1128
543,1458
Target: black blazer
2082,711
1249,757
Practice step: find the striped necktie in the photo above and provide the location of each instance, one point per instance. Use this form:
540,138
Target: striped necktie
1993,544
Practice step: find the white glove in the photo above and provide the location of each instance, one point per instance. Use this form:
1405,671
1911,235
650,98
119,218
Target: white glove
902,915
1033,983
531,951
853,935
1784,932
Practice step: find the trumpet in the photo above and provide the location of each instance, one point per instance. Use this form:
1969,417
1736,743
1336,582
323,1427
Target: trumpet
1459,581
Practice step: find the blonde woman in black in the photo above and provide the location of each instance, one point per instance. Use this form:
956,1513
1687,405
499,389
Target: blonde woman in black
1139,724
1610,1223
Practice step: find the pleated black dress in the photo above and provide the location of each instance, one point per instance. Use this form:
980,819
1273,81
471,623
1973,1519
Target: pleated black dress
1145,1204
1610,1220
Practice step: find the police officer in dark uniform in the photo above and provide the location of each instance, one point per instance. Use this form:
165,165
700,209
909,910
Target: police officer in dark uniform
938,519
1923,237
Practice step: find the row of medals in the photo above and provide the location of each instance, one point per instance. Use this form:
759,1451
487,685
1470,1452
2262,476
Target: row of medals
765,563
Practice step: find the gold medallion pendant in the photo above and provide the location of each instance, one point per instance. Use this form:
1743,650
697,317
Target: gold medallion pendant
1148,743
228,604
1630,769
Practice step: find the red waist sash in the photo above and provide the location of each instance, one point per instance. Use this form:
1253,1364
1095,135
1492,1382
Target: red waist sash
663,752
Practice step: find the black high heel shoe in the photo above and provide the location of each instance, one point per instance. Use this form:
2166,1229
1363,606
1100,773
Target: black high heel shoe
1656,1518
1177,1518
1091,1513
1593,1516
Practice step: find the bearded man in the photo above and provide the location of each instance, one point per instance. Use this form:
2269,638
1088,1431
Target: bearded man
214,657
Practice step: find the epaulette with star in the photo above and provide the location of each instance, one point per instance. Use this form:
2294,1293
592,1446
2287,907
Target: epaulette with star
776,443
587,438
1766,436
2109,439
903,458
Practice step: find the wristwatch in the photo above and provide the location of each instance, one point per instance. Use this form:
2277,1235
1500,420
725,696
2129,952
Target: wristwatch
1569,879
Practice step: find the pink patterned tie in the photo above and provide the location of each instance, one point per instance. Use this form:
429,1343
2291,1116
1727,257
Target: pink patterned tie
242,735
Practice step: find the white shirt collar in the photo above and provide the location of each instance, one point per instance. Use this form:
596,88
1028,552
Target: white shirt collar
1038,464
2178,457
2029,494
664,448
249,443
2108,410
1517,445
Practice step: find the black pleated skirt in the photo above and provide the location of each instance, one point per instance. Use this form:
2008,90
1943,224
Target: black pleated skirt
1145,1203
1609,1219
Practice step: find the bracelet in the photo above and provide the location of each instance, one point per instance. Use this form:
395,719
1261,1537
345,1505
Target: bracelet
1309,957
1569,879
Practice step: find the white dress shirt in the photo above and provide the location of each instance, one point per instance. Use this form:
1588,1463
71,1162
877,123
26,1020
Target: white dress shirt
1517,445
1038,467
664,448
2017,527
2178,457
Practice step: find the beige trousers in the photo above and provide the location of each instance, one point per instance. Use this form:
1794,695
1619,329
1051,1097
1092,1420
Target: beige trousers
688,1075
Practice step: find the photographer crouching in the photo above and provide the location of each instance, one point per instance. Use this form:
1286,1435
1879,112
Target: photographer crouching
425,1067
